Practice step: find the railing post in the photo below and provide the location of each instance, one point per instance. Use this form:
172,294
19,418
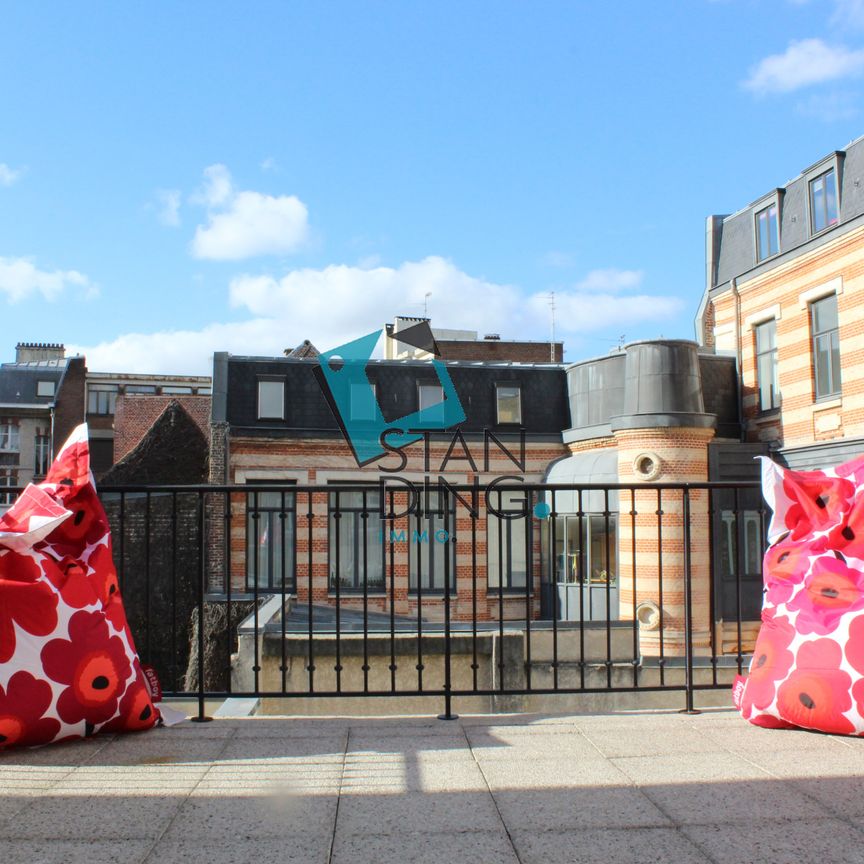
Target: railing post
448,697
688,606
202,714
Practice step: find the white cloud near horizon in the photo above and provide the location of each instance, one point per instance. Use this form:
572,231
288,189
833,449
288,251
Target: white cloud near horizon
804,63
246,224
8,175
848,14
338,303
21,279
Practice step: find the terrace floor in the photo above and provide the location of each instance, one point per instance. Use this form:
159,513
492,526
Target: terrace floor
628,787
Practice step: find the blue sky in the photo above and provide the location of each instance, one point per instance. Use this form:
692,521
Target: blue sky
182,178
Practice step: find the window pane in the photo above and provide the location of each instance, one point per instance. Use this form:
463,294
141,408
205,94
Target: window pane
830,199
822,365
817,192
44,388
505,541
509,405
432,397
835,362
768,240
825,314
140,388
271,400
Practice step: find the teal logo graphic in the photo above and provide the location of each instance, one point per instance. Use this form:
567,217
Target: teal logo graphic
343,375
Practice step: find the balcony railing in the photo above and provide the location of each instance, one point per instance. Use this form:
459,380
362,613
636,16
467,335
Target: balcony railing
285,591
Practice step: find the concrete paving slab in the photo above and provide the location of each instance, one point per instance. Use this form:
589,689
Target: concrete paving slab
79,818
627,846
688,768
551,773
741,801
571,745
810,842
290,848
72,851
221,818
580,808
840,763
443,813
314,750
657,741
467,847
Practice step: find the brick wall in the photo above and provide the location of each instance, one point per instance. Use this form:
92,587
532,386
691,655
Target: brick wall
496,350
136,413
319,461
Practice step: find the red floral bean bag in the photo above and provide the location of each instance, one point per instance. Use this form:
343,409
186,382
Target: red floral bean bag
68,665
808,664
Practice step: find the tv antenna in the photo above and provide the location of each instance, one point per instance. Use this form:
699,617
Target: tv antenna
552,318
426,297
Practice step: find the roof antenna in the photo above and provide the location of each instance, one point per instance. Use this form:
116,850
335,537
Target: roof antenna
552,317
426,297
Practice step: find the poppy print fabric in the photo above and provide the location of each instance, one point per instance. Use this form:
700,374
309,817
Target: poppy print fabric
807,669
68,665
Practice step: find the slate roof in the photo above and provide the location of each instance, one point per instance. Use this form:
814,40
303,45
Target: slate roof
18,381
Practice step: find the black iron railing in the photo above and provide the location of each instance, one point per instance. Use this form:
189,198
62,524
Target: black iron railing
510,589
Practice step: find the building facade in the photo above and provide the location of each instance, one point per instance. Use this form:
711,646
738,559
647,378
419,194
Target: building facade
784,294
41,401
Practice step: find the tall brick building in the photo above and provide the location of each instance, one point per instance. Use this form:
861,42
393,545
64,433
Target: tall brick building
785,296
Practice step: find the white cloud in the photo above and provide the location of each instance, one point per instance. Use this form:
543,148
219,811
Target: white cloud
340,302
610,280
246,224
255,224
269,164
804,63
170,200
7,175
217,188
20,279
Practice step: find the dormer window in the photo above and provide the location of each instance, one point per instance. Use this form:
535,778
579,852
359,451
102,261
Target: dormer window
271,399
823,201
767,232
45,388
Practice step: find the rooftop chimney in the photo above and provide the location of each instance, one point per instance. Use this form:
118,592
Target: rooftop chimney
33,352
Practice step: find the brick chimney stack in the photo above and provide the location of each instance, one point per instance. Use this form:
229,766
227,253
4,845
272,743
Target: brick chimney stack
33,352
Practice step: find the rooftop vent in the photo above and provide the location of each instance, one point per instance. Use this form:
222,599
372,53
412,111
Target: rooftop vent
493,337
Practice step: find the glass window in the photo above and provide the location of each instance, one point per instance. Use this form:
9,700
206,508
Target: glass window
431,396
101,398
767,234
8,477
363,402
506,541
139,388
179,391
826,347
428,537
45,388
270,531
767,379
823,201
9,437
509,399
43,454
356,552
271,400
748,525
585,559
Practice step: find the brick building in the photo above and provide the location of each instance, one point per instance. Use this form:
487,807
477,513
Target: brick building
41,401
650,412
784,296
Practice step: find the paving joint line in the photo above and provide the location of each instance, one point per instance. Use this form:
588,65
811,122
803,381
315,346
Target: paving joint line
491,794
339,796
147,856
